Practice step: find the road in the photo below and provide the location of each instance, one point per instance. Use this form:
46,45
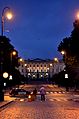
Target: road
56,106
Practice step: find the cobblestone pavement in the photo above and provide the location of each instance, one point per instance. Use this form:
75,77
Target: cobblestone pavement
22,109
58,105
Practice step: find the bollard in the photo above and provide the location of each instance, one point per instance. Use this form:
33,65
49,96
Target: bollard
1,96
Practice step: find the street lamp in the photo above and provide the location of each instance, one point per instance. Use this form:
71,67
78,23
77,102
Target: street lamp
77,15
62,52
56,59
5,75
8,15
13,53
64,55
20,59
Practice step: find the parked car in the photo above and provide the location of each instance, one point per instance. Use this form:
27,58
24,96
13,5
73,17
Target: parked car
19,92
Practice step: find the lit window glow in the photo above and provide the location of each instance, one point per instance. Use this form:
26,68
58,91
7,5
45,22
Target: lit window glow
25,64
47,74
28,74
50,64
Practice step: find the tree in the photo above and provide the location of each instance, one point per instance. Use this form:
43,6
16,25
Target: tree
71,46
6,65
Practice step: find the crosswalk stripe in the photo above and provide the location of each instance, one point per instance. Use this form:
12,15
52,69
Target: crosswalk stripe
56,99
56,92
53,92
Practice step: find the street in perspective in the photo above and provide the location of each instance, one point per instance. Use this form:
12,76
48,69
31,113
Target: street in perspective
39,59
58,104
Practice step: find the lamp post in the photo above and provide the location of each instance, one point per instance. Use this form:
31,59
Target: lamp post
12,60
66,70
13,53
62,52
64,56
5,75
56,59
77,15
8,15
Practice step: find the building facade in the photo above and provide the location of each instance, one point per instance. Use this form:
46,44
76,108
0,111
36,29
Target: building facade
40,69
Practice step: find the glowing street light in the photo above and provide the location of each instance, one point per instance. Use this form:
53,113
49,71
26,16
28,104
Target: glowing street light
25,65
51,64
56,59
20,59
77,15
9,15
5,75
4,15
62,52
13,54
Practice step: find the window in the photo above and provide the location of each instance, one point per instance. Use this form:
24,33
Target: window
45,65
37,65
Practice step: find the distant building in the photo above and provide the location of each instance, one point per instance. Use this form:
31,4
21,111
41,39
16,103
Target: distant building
39,68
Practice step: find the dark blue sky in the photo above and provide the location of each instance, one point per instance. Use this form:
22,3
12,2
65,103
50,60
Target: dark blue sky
38,26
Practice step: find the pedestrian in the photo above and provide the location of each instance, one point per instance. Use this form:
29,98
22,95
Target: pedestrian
42,93
35,92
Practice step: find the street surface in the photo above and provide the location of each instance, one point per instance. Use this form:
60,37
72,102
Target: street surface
56,106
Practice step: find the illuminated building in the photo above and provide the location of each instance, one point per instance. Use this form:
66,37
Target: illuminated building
40,69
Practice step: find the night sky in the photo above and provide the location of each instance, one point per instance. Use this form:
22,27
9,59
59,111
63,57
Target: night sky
38,26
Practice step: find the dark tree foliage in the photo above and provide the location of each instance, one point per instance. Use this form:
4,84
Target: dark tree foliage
75,39
71,46
5,48
7,62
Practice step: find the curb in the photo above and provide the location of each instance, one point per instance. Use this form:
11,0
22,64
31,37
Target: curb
6,104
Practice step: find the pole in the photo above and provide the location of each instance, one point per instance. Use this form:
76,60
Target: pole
2,20
2,29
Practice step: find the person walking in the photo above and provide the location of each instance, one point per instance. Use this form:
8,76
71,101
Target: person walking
35,93
42,93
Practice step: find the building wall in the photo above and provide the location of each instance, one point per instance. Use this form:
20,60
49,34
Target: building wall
38,68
